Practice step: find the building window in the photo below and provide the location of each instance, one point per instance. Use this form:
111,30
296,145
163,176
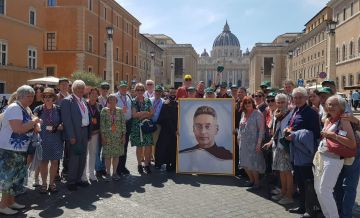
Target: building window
50,41
117,21
3,53
359,45
104,75
127,27
135,60
344,14
343,81
32,17
32,56
90,5
343,53
50,71
136,33
51,3
90,44
351,49
358,78
105,45
2,6
90,70
117,54
351,9
127,57
337,81
337,55
351,80
104,13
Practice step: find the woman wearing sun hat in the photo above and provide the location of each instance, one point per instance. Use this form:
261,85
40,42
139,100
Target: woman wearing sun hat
50,134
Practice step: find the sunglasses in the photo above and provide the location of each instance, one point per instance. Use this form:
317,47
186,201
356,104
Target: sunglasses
47,96
187,79
258,96
270,100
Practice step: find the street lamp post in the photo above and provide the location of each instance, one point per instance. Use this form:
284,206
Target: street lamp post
152,71
109,58
172,75
331,54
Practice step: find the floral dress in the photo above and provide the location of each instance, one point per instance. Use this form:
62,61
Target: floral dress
250,132
135,136
112,127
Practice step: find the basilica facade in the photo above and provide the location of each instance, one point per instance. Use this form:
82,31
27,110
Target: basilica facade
226,52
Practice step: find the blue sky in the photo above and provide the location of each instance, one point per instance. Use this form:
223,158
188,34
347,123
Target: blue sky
198,22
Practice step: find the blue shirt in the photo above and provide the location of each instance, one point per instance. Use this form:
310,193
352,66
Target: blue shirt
355,96
124,101
157,105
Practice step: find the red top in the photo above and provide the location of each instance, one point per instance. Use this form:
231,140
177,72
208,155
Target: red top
181,92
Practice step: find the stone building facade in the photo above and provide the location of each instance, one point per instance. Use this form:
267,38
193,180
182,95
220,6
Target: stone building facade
178,60
268,61
347,42
226,52
21,42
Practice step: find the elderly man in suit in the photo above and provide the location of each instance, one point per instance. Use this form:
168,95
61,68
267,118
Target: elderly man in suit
76,118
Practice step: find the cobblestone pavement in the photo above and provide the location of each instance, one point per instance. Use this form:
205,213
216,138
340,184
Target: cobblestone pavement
159,195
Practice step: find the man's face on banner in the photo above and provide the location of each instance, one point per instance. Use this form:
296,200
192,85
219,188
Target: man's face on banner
205,129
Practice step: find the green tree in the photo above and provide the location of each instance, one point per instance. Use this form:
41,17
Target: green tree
90,79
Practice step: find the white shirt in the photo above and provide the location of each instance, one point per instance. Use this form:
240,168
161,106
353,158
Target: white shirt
121,101
201,161
149,95
10,140
84,111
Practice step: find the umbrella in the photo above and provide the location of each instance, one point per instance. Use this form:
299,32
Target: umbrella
48,80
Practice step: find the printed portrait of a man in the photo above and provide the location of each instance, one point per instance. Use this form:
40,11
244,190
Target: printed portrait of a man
207,155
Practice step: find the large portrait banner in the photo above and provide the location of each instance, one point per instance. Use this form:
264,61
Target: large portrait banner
206,140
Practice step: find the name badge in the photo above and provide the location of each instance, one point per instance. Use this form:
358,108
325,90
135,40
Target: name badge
342,133
49,128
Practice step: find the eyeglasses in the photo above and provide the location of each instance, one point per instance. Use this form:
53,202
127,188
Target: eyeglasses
47,96
270,100
200,127
140,90
187,80
258,96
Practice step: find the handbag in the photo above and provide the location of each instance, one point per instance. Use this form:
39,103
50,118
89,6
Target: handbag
148,126
338,148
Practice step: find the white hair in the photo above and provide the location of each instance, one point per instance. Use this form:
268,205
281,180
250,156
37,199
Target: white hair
300,90
342,102
149,81
76,84
24,90
281,96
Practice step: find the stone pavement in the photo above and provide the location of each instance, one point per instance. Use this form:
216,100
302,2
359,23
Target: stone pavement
158,195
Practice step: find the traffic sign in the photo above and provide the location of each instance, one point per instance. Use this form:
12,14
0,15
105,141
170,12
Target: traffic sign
322,75
300,82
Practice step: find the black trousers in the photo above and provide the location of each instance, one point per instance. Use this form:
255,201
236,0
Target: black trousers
302,173
236,155
122,159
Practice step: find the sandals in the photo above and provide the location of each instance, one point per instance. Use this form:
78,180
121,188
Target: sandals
52,188
43,189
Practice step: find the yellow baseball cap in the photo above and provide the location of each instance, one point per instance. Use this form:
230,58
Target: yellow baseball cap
187,76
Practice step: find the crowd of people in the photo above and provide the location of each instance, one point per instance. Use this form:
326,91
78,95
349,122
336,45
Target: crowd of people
297,137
